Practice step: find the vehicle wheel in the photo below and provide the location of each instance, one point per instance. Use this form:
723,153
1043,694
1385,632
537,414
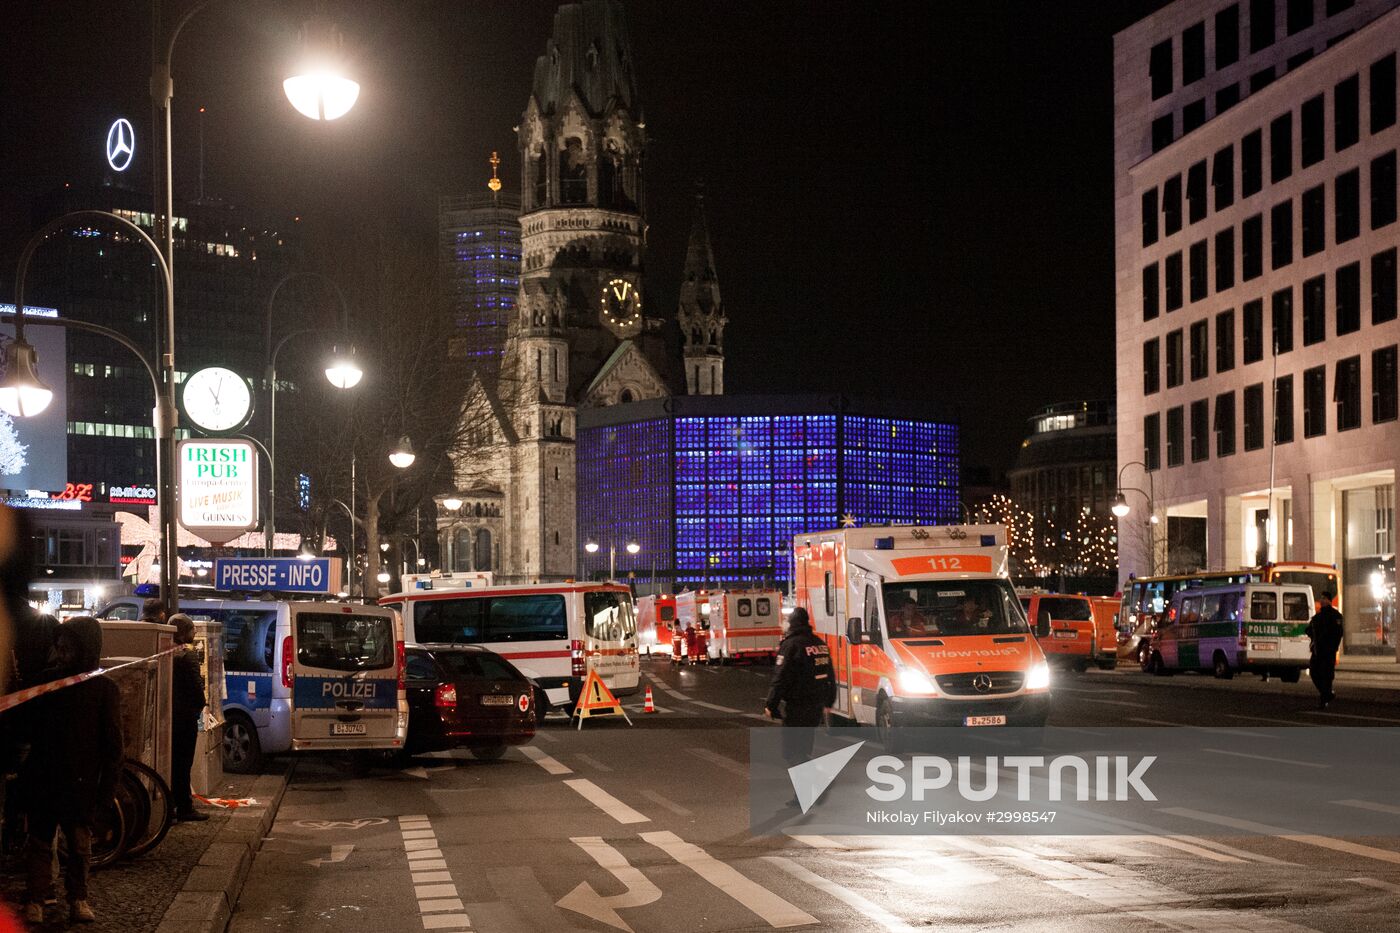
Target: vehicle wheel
885,726
1144,653
159,813
1081,666
1221,667
541,702
108,835
1156,666
1290,676
489,752
242,750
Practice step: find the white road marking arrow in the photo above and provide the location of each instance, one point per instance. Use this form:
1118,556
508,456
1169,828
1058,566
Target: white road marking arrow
584,900
338,854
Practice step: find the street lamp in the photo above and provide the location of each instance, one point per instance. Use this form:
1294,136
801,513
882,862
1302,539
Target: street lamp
350,547
402,456
22,393
451,503
320,90
632,547
1121,509
342,371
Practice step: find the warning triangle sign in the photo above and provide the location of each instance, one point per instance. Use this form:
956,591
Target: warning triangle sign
597,700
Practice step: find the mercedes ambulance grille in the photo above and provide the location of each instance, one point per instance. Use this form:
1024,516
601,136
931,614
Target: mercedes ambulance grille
968,684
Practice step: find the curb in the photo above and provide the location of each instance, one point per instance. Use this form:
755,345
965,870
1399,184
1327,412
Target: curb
207,898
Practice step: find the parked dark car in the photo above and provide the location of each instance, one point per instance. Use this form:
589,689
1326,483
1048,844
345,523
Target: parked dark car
468,697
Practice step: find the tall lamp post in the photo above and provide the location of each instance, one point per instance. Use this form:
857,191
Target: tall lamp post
350,548
321,92
342,371
23,394
592,547
1121,509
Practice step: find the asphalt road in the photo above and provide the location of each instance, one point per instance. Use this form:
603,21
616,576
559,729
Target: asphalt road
645,828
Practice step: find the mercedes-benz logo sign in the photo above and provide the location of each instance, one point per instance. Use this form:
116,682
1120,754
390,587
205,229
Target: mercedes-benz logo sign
982,683
121,144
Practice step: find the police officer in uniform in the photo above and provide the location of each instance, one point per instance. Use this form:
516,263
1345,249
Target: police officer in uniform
803,686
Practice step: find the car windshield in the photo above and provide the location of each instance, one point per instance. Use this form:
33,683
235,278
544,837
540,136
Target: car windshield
476,666
1319,581
952,608
1067,608
336,642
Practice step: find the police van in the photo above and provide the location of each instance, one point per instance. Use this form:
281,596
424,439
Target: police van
301,676
1256,628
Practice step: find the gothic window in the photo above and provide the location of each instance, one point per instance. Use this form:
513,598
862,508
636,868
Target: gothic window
462,550
541,180
573,173
483,549
610,192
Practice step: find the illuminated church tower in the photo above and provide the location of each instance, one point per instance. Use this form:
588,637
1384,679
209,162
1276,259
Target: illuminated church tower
701,314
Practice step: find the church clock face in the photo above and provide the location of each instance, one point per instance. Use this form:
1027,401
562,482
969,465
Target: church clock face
622,304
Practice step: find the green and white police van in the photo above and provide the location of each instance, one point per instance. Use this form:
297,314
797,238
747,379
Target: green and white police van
1257,628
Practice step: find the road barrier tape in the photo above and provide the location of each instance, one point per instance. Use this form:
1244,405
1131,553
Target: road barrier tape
11,700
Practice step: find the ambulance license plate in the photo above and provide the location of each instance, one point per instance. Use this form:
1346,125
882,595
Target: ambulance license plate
497,701
348,728
1066,634
984,721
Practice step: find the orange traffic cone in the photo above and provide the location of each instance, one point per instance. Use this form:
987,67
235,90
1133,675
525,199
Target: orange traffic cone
650,707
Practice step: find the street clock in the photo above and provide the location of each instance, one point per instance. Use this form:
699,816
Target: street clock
217,400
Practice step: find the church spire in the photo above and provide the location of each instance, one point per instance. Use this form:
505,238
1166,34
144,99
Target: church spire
701,313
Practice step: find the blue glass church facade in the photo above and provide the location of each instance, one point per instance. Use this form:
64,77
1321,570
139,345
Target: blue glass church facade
713,488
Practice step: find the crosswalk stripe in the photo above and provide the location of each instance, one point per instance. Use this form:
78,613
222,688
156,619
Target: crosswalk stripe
592,762
1277,722
845,895
816,842
715,706
1322,842
1115,702
1156,833
775,911
1281,761
669,804
1367,805
550,765
606,802
714,758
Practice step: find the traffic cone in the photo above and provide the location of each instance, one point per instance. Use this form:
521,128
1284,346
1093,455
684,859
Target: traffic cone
650,707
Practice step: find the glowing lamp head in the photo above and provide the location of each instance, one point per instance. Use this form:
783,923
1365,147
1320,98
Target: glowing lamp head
633,547
319,89
343,371
383,576
451,503
22,393
591,546
402,456
1120,506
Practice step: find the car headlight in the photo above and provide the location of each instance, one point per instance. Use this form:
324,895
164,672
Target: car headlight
915,681
1039,677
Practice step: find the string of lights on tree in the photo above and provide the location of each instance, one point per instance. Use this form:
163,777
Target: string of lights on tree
1041,548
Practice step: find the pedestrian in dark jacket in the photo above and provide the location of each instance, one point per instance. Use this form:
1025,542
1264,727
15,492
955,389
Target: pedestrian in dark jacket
187,702
803,686
72,767
153,610
1325,631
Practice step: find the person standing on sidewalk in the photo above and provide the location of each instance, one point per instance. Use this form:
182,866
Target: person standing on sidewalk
72,766
1325,631
803,687
187,702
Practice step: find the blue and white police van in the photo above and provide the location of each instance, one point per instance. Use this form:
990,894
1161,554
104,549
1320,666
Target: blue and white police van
302,675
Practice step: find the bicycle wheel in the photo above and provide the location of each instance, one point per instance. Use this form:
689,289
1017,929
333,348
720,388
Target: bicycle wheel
160,814
136,809
108,835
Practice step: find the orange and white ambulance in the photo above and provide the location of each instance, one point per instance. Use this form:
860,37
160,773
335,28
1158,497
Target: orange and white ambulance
656,623
924,626
745,624
1067,628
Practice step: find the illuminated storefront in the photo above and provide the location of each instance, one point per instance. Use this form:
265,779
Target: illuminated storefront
712,489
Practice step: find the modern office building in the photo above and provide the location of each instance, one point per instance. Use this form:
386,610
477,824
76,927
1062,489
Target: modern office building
479,240
713,488
1068,462
1255,210
227,261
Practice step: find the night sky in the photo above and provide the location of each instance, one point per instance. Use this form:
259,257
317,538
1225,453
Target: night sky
906,200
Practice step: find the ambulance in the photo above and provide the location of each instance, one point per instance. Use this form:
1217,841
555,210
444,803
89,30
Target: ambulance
923,625
656,623
745,624
1069,631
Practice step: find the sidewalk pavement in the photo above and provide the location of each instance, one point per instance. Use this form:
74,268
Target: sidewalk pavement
1369,664
187,884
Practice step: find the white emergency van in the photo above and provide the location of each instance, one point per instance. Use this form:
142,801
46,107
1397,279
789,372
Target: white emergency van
555,633
745,624
1257,628
923,625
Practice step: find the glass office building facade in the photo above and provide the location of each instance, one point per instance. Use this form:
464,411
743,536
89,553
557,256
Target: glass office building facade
713,488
